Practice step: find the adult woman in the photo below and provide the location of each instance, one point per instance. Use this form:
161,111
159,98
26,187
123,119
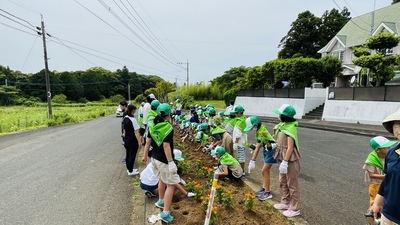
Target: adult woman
161,140
132,140
388,198
288,156
267,143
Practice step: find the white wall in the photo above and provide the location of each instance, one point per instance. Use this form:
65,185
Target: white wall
261,106
364,112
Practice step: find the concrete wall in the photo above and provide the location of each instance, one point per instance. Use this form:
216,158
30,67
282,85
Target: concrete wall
261,106
364,112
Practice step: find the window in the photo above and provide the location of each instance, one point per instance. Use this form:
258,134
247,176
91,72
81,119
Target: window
338,54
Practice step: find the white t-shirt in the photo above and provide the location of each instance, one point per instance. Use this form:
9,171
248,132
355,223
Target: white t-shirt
147,176
229,108
134,123
146,109
237,133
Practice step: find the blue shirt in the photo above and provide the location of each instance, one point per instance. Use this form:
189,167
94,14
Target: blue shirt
391,205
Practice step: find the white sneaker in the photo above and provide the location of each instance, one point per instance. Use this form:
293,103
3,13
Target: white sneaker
190,195
133,173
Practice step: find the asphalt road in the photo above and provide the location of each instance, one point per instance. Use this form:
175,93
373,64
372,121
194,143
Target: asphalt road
65,175
332,187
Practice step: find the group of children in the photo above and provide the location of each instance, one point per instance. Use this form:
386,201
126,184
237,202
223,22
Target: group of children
224,137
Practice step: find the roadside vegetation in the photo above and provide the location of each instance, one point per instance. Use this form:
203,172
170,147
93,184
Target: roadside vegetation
21,118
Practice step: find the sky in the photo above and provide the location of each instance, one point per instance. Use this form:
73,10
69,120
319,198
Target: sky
154,37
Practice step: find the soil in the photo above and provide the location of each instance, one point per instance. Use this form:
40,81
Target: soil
189,211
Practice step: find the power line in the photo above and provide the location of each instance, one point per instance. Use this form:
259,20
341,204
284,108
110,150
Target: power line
18,29
160,43
159,28
351,20
355,12
29,53
119,32
97,56
18,22
130,29
38,28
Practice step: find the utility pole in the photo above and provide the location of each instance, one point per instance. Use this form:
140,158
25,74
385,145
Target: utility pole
187,78
129,93
46,72
370,34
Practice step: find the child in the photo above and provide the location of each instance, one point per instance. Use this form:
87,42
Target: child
374,167
239,136
267,143
288,156
228,166
149,182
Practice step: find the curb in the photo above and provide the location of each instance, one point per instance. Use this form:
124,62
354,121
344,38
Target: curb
337,128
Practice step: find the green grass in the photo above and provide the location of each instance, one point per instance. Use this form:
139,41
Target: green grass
21,118
218,104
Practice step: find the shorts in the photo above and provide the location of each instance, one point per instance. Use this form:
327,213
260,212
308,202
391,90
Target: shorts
241,156
146,187
268,159
160,170
141,131
178,112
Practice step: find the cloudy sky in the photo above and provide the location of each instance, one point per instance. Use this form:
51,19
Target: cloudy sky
154,36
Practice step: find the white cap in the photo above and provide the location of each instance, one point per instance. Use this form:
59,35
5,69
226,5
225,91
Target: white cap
152,96
178,155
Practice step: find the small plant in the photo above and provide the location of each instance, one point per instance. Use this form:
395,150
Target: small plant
219,191
190,185
249,201
227,199
213,217
204,203
199,164
198,190
185,166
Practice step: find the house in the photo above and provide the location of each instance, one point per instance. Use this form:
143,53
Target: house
355,33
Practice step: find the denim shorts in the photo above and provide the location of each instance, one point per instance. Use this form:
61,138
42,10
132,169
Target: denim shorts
268,159
148,187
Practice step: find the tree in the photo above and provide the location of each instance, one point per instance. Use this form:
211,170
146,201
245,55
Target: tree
303,37
395,1
332,23
309,33
380,64
229,78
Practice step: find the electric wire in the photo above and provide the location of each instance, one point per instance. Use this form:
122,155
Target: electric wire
20,19
354,12
158,28
160,43
29,53
19,29
130,29
23,7
18,22
141,28
351,20
97,56
91,49
119,31
75,51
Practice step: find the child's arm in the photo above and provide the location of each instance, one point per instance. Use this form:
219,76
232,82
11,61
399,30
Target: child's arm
375,175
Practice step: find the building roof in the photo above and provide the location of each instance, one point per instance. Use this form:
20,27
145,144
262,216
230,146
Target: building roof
357,31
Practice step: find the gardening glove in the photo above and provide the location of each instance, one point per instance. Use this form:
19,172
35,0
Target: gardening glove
235,146
283,167
274,145
172,168
252,165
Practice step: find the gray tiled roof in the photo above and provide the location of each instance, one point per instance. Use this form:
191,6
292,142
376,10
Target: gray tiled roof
357,31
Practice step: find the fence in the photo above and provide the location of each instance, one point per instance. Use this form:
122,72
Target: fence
273,93
383,93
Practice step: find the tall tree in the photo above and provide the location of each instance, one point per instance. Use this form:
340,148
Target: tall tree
309,33
332,23
303,37
395,1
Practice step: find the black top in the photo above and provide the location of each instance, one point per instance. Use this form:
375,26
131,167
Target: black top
130,138
158,151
